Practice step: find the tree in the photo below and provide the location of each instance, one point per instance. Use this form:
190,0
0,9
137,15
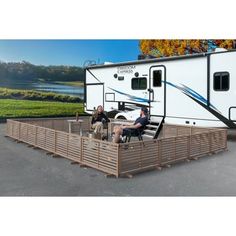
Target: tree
177,47
25,71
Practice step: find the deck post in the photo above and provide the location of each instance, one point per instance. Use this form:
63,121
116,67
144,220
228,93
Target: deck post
118,161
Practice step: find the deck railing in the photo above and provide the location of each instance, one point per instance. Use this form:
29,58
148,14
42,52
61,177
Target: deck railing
176,143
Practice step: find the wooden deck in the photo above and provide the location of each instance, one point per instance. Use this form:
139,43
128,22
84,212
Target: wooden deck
176,143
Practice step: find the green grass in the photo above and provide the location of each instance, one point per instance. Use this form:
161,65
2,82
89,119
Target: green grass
6,93
11,108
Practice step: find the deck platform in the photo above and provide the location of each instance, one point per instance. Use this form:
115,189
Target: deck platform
176,143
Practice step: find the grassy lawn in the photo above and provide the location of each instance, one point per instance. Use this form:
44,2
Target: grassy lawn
10,108
33,95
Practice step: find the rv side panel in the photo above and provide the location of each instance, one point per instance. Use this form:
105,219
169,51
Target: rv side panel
223,83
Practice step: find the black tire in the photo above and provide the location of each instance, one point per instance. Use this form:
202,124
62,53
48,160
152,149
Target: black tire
121,118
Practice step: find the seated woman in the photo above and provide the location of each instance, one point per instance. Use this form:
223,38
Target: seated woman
135,128
98,120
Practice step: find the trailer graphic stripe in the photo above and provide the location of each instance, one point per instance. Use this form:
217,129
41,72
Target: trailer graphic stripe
190,92
203,102
226,121
94,76
131,97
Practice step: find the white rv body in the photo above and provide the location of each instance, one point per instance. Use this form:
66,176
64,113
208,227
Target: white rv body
197,90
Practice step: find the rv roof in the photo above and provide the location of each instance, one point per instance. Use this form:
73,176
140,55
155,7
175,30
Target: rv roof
158,59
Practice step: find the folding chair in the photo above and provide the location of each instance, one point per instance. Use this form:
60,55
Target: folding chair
139,134
105,128
133,134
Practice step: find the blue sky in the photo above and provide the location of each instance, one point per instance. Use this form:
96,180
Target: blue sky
68,52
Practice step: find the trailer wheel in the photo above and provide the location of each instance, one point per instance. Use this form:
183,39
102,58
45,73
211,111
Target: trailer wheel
121,118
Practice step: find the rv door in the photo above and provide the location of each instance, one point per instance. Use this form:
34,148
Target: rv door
94,96
157,90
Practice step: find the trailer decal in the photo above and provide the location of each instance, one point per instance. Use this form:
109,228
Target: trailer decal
94,76
131,97
203,102
191,93
226,121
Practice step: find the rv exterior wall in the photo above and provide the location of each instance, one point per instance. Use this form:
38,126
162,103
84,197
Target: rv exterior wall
223,100
186,89
116,90
190,75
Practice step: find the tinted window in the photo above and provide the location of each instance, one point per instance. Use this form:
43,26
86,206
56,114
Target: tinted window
221,81
157,74
217,82
225,82
139,83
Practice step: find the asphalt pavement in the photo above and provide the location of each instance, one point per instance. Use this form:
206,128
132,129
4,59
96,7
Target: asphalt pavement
30,172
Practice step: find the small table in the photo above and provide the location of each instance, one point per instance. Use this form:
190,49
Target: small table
77,122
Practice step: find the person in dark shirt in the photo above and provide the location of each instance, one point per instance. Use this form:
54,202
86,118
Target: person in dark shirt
136,128
98,120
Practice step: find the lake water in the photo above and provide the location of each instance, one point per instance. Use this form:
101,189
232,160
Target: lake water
70,90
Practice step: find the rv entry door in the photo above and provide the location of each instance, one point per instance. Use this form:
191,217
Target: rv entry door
157,90
94,96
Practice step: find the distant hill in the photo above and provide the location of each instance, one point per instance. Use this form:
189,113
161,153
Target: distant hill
25,71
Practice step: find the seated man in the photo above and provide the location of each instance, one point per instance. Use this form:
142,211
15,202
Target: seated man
134,129
98,120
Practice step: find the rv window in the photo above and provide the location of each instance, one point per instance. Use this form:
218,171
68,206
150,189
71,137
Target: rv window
157,78
139,83
221,81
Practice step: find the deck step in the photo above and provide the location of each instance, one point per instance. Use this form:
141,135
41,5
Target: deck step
147,136
151,132
152,126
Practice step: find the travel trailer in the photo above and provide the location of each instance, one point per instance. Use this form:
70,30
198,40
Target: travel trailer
198,89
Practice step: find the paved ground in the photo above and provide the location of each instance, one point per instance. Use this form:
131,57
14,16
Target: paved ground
28,172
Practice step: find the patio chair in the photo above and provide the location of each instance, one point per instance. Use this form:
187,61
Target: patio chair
133,134
150,131
105,128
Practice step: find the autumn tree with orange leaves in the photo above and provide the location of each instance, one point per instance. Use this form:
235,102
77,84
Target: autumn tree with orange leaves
169,47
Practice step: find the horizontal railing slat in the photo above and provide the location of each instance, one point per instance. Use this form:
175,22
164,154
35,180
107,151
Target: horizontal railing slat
176,143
